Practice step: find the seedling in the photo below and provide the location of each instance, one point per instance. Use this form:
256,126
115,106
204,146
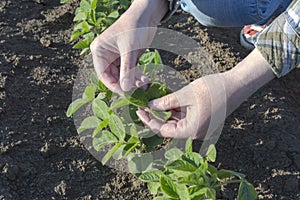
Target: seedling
189,176
92,17
181,174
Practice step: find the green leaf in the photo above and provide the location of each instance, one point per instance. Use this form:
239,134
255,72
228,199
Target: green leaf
88,123
203,167
223,173
189,145
182,192
157,58
94,4
162,198
94,81
74,106
89,94
81,16
110,153
181,165
75,35
153,187
64,1
133,131
100,127
125,3
196,192
104,139
129,148
85,26
161,115
89,37
156,90
132,114
78,27
85,5
210,193
140,163
137,97
246,191
114,14
173,154
211,169
193,158
153,141
108,21
168,187
117,127
81,45
100,109
151,176
147,58
120,102
211,153
85,50
194,178
119,152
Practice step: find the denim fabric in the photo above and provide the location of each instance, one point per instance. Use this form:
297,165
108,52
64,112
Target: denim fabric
234,12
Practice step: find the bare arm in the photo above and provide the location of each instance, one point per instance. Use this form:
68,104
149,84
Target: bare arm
206,101
244,79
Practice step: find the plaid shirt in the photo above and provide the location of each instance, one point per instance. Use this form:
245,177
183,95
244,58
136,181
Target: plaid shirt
279,43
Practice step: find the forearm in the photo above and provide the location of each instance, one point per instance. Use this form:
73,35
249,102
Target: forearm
246,78
147,12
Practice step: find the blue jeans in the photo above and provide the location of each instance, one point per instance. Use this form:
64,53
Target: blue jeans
224,13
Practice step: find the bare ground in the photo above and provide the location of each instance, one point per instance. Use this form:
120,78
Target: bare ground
40,153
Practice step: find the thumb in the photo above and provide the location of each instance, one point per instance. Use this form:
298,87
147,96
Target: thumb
168,102
127,70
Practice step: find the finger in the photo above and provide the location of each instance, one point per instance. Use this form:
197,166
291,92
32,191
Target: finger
127,74
186,127
177,115
154,125
172,101
111,83
141,79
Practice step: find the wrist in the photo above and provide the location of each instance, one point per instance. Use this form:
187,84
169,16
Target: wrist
146,13
246,78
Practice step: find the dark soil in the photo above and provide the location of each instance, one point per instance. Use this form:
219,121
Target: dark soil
40,153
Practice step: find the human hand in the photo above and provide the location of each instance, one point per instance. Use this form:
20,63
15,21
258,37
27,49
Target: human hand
202,106
192,109
116,51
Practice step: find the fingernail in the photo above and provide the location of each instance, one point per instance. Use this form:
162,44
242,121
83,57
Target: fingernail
150,104
126,86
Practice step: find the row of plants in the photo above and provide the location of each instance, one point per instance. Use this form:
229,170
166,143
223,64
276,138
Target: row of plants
115,128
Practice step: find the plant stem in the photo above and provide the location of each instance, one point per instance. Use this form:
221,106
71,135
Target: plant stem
229,182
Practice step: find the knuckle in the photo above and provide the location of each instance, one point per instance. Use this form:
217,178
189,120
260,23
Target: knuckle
167,100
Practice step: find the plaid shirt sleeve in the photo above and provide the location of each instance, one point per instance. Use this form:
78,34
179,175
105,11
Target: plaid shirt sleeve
279,43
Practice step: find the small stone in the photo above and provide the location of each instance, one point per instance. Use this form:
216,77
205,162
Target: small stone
49,150
291,185
61,188
45,42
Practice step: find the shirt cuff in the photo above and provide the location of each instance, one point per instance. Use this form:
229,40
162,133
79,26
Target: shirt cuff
279,44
